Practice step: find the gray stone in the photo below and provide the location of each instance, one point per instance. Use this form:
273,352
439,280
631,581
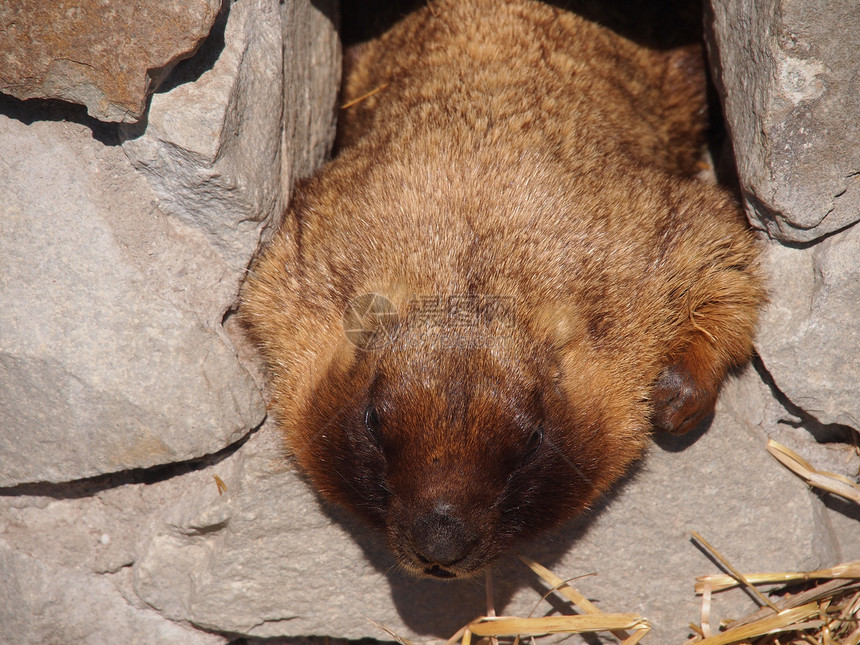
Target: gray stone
104,54
833,533
842,520
789,84
111,351
115,282
265,559
66,552
810,340
84,528
311,69
221,153
42,605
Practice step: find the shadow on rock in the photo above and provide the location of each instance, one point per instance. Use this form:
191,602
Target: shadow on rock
438,608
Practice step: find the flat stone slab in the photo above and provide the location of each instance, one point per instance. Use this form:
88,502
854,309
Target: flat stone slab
810,341
39,604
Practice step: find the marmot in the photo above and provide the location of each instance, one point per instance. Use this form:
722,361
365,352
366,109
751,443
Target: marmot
516,188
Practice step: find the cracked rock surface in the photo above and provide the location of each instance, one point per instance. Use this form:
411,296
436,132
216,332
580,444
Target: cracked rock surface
789,85
41,604
115,282
812,344
105,323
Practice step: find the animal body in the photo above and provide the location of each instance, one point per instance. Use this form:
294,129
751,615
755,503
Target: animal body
551,282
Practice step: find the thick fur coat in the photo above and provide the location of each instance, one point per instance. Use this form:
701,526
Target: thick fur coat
517,185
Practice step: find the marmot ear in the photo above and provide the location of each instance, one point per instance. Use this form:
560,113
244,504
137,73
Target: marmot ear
564,331
559,325
367,327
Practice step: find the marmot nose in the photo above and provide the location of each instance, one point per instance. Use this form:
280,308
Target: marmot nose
441,538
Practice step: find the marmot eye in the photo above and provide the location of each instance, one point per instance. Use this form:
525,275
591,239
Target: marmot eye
535,441
373,425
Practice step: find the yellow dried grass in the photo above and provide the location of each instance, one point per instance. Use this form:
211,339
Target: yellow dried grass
592,620
736,575
826,614
831,482
359,99
772,624
561,586
719,582
542,625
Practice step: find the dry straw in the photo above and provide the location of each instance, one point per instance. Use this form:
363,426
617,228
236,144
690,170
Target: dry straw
629,629
590,620
359,99
830,482
824,607
826,614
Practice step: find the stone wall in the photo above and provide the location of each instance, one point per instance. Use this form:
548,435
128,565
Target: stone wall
790,85
122,248
144,499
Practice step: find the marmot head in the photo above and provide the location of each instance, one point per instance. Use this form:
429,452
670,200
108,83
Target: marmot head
456,441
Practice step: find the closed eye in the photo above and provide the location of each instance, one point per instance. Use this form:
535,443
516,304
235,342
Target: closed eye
373,425
534,443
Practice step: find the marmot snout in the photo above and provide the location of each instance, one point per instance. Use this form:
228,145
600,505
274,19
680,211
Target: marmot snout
517,191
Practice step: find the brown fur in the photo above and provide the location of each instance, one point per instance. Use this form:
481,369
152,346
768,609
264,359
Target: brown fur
519,152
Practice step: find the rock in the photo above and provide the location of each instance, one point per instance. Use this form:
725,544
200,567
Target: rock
66,552
93,526
39,604
788,81
104,54
117,272
265,559
811,327
834,528
310,86
111,353
221,153
810,331
842,519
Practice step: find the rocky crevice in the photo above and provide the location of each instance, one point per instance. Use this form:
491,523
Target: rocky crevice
821,432
125,396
